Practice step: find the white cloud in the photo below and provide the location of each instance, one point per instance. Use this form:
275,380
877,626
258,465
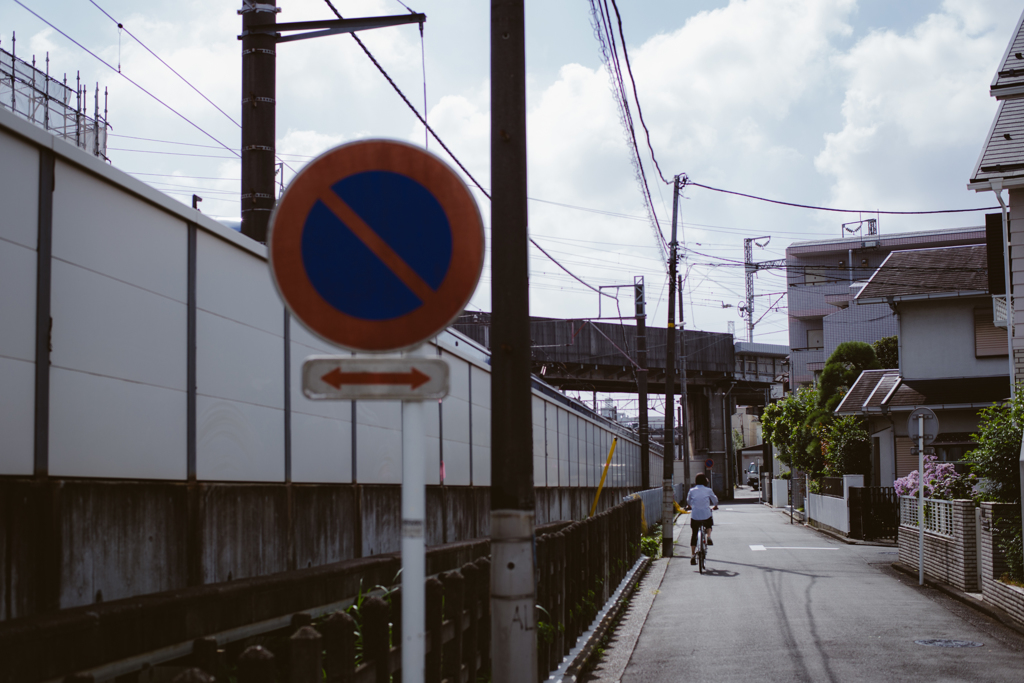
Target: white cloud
915,97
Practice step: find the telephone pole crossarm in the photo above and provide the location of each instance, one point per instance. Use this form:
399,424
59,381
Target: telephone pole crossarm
331,27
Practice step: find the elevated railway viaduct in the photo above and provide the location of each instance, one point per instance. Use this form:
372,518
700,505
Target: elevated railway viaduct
599,356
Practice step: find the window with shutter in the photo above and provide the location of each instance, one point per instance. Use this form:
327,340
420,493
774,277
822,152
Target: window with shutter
989,340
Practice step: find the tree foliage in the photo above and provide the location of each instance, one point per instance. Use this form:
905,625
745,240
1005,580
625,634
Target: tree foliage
842,369
888,351
996,460
846,447
784,423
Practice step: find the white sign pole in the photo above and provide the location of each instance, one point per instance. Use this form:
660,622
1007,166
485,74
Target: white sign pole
414,509
920,499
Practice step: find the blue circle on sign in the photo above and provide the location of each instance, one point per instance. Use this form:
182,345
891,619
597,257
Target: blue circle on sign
406,216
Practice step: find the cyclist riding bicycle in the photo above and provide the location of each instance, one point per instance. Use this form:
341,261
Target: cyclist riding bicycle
701,500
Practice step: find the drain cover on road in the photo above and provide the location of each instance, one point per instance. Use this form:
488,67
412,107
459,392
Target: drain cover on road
935,642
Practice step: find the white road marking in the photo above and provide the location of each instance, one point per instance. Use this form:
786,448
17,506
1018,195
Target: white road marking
786,547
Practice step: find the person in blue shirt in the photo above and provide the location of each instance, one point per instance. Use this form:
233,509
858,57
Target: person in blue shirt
701,501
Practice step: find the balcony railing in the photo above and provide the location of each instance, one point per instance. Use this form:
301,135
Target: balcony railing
999,310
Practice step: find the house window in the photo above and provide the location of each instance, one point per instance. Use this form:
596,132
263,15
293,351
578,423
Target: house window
813,276
989,340
815,339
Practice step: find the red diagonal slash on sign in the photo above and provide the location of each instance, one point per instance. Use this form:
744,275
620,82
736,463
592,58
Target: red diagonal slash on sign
414,378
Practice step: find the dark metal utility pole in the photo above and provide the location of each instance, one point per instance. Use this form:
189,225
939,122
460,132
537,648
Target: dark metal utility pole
668,461
260,36
259,118
513,591
684,417
641,380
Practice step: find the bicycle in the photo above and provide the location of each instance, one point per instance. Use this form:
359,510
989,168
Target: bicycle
702,547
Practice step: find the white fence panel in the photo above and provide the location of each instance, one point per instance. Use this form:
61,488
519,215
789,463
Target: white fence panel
938,515
830,511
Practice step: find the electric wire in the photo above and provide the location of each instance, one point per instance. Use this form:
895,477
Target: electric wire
112,68
826,208
636,98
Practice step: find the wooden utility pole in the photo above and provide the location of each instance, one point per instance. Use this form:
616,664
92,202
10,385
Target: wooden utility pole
667,508
641,381
513,591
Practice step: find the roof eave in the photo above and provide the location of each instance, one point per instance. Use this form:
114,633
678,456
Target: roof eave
973,293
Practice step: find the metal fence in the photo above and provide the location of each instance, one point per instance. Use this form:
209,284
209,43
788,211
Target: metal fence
938,515
578,568
54,105
874,512
832,486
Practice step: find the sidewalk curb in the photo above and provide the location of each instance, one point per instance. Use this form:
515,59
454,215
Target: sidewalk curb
852,541
587,649
985,608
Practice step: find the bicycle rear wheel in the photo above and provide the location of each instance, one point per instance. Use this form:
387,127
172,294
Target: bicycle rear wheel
702,551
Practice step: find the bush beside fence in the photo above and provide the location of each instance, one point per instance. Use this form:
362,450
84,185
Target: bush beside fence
993,564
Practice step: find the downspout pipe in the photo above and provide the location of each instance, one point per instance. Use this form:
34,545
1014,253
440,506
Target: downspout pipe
997,189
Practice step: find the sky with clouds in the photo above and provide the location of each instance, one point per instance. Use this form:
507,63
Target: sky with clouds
866,104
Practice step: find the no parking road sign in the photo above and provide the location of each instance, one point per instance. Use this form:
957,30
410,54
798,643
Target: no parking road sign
376,245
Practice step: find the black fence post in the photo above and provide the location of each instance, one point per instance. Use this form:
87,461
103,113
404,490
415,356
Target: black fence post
256,665
435,632
483,587
376,641
339,634
471,644
304,656
193,675
454,590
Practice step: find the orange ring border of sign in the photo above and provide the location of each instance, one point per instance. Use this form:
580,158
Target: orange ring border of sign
284,246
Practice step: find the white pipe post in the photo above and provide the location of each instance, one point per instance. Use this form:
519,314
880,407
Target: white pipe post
920,499
997,188
414,508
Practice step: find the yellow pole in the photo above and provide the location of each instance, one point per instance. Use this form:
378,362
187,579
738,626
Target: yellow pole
604,474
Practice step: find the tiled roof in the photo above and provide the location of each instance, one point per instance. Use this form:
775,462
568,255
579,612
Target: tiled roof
863,388
873,391
924,392
1009,80
1003,156
929,271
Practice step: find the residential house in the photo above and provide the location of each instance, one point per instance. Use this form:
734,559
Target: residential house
823,277
952,358
1001,167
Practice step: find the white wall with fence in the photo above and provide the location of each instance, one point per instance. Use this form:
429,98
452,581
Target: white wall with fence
170,355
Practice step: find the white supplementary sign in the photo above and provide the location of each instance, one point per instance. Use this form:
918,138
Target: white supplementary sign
345,378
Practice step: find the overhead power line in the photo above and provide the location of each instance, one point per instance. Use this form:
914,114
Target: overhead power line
113,68
122,27
441,142
826,208
636,98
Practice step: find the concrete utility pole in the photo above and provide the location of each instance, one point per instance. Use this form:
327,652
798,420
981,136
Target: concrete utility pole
641,380
260,36
667,498
684,413
749,269
513,591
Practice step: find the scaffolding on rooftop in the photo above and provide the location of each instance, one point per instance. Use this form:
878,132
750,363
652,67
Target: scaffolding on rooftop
55,106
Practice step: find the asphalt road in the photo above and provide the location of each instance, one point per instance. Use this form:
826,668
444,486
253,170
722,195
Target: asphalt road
808,608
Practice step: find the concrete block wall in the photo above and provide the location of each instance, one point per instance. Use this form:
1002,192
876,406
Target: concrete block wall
993,564
952,560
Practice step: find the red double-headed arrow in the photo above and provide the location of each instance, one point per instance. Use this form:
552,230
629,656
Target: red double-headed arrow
414,378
